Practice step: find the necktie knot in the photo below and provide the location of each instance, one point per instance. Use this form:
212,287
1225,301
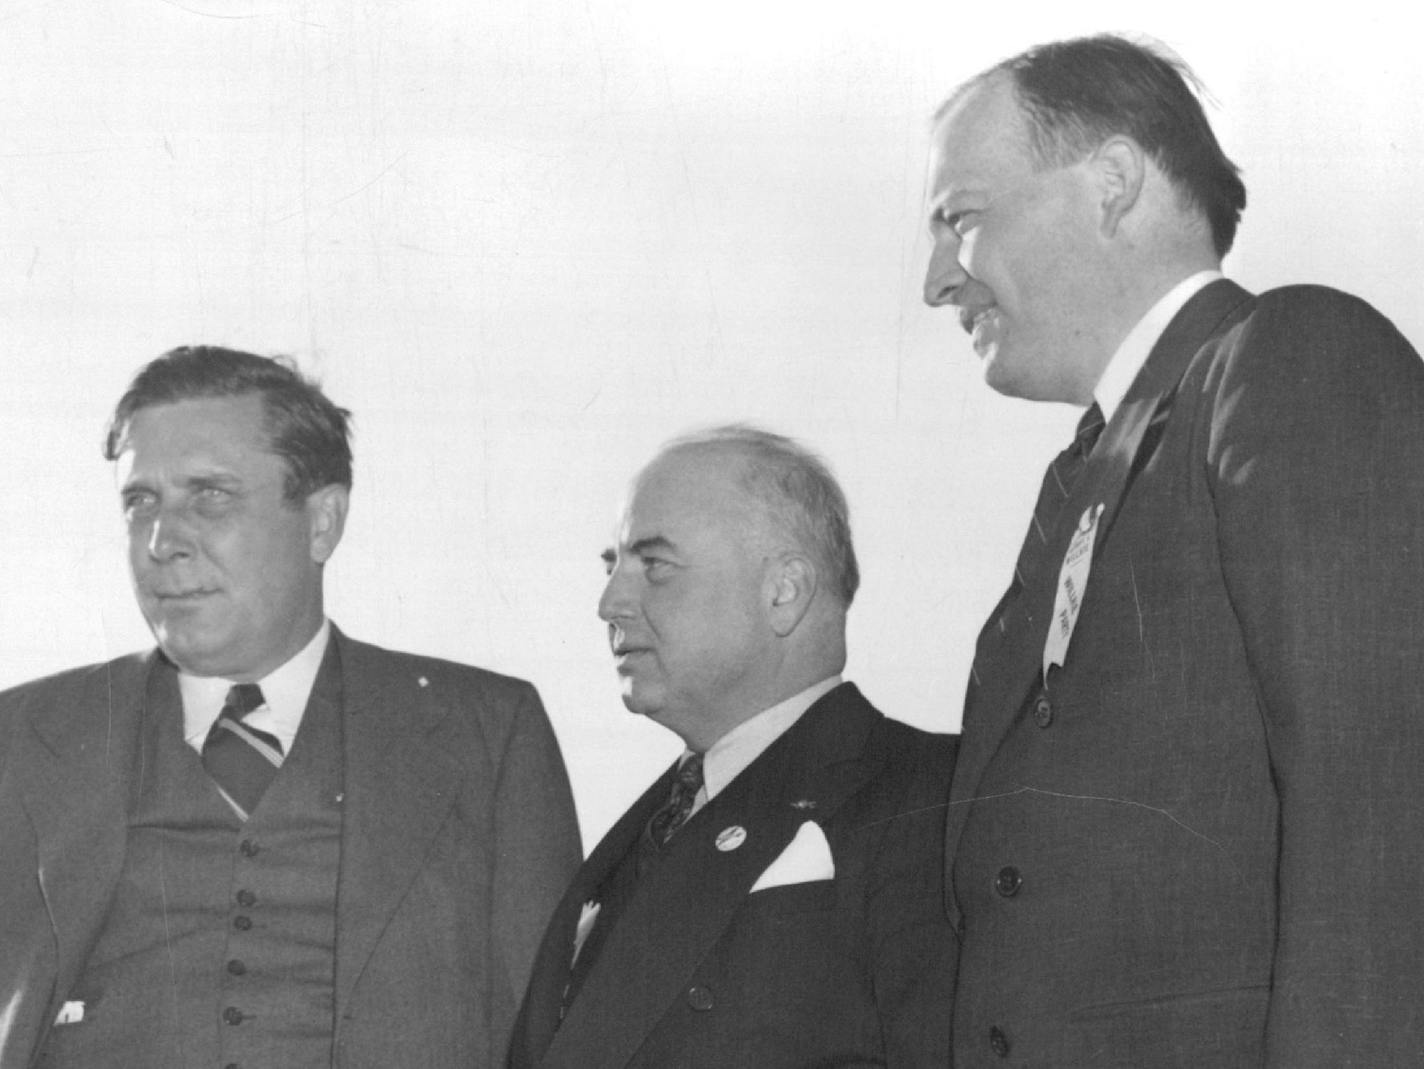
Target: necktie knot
1090,429
243,698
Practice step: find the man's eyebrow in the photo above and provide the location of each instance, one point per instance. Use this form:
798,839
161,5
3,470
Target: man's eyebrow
645,545
639,548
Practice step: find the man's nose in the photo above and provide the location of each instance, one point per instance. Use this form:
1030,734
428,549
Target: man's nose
616,601
945,275
170,537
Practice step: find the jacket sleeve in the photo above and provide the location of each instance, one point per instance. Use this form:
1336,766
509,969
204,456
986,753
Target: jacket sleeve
1316,463
537,848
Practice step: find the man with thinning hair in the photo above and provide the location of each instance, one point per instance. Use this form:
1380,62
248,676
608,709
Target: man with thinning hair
264,843
775,898
1186,828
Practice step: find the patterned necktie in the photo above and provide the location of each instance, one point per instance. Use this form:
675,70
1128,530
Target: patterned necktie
678,807
241,759
1058,483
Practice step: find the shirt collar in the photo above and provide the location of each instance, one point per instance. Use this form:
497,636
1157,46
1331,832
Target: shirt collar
1137,346
286,691
737,749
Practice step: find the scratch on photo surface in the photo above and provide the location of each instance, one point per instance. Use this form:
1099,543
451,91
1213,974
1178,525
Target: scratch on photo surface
1101,798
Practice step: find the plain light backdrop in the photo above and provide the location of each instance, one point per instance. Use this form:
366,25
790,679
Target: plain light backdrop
527,241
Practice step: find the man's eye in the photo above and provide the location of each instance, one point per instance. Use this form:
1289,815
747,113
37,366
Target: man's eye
961,222
138,503
656,567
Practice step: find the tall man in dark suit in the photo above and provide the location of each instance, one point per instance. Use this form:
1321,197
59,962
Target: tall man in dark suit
775,898
264,844
1187,826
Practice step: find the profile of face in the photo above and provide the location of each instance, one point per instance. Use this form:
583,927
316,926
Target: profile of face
227,572
687,596
1013,249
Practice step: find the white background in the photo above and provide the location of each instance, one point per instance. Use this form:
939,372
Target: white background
525,241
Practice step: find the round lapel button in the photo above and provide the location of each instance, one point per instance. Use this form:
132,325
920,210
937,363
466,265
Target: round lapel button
731,838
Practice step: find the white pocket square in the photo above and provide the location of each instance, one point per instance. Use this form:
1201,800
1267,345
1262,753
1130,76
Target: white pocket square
70,1013
807,857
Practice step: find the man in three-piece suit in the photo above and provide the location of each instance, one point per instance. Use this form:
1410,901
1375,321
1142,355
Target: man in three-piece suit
264,844
1187,827
774,899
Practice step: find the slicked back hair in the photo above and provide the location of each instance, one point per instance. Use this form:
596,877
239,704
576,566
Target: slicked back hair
799,493
1078,93
310,433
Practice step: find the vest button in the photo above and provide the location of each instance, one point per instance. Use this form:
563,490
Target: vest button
998,1042
232,1065
232,1015
1008,881
1042,711
246,899
699,998
242,924
249,848
237,968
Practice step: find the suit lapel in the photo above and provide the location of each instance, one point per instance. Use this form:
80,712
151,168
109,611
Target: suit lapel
399,785
684,904
553,966
75,766
1010,667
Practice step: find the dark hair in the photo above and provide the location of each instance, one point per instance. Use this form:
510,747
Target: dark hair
312,435
1076,94
799,493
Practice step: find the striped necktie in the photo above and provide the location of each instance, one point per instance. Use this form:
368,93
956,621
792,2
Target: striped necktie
1058,483
241,759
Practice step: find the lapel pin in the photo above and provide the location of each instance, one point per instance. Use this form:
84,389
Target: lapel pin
804,803
423,681
730,838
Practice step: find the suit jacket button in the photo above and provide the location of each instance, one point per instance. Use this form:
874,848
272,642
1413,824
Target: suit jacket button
246,899
1008,881
232,1015
1042,711
699,998
242,923
998,1042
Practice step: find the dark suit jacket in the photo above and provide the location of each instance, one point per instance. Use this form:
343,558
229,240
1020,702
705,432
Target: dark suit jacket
856,970
1202,843
458,835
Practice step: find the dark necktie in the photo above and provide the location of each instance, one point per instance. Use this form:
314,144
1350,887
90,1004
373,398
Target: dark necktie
678,807
241,759
1058,483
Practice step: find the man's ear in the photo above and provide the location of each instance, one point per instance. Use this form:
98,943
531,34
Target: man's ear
326,520
791,582
1119,167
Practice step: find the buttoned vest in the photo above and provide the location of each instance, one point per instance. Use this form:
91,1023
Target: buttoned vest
219,947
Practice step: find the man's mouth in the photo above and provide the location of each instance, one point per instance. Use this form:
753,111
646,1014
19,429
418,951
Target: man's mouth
179,597
972,318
